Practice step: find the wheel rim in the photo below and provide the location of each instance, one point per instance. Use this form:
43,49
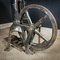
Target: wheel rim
44,45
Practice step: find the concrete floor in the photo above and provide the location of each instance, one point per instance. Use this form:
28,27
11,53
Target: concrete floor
53,53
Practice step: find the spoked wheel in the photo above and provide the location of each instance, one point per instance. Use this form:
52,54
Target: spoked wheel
36,38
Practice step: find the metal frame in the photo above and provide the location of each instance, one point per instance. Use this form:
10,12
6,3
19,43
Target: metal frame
18,26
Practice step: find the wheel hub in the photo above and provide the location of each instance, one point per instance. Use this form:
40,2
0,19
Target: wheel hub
31,28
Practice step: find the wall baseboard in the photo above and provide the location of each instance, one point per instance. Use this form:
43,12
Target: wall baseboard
6,25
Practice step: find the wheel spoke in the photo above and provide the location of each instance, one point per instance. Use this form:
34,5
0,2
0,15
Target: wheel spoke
29,19
41,35
29,39
39,22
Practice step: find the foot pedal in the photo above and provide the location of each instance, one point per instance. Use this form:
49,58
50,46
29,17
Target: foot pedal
17,41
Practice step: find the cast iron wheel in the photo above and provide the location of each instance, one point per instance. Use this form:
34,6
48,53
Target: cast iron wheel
46,42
